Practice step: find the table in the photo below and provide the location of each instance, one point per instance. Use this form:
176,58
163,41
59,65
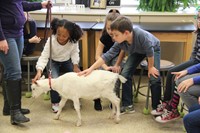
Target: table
165,32
86,26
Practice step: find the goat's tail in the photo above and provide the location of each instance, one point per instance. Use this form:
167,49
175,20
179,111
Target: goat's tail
122,79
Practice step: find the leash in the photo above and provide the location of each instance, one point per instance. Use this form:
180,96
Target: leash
48,20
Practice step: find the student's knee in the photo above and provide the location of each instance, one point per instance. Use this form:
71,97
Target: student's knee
187,119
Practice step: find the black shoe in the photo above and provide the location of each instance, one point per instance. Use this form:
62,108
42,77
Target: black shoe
17,117
97,105
23,111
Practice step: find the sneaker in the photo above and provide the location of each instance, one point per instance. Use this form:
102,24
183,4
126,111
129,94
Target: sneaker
97,105
160,109
55,107
127,109
168,116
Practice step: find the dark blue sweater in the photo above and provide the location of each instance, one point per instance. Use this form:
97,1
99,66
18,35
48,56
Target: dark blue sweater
195,69
12,17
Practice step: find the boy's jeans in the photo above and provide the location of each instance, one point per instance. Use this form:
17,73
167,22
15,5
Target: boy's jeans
131,64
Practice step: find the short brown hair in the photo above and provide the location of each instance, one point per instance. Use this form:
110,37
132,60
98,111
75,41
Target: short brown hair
122,24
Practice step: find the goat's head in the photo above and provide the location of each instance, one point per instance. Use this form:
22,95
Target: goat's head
39,87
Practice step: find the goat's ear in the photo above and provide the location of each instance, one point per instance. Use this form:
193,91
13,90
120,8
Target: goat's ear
43,77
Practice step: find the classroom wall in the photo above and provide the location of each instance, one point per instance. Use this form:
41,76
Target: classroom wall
170,51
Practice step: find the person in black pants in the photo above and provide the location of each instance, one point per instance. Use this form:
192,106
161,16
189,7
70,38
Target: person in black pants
105,43
30,35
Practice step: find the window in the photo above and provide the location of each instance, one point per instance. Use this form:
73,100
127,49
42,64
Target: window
129,2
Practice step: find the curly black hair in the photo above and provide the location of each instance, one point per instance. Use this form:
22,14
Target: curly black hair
75,32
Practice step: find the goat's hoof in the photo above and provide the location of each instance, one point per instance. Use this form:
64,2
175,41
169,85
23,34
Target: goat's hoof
111,116
56,117
117,120
78,123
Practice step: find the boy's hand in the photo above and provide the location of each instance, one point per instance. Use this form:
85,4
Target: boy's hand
153,71
116,69
184,85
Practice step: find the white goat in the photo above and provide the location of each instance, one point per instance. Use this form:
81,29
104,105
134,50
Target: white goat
98,84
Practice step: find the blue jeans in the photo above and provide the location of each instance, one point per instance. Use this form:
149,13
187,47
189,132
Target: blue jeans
170,84
192,119
129,68
12,60
56,68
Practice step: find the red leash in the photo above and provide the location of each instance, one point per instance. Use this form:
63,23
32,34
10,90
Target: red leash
48,19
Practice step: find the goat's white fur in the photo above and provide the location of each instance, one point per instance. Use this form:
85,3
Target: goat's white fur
98,84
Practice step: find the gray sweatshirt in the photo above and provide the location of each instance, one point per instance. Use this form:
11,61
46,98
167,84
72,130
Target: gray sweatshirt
143,43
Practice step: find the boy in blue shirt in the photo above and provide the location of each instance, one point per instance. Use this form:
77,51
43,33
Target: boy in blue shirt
138,44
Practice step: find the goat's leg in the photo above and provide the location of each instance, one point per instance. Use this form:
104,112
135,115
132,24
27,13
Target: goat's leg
77,108
61,105
116,107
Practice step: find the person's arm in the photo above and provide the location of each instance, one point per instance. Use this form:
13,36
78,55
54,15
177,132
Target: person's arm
96,65
44,58
194,52
75,57
120,58
117,67
99,52
3,43
2,37
31,6
151,69
194,69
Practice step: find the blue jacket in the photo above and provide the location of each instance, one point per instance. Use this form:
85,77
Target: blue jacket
12,17
195,69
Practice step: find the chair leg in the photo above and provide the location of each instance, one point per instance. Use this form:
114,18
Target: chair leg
28,94
134,85
146,110
163,80
181,110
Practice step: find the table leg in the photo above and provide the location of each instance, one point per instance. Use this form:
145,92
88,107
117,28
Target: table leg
85,50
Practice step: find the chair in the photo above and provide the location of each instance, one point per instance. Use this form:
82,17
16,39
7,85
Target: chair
31,58
164,67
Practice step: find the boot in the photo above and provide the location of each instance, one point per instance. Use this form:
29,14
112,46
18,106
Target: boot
6,107
14,99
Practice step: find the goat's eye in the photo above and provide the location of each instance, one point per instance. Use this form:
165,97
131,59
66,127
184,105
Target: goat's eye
33,89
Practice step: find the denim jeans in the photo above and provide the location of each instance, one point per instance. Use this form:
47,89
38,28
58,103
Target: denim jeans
192,119
170,84
12,60
129,68
56,68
